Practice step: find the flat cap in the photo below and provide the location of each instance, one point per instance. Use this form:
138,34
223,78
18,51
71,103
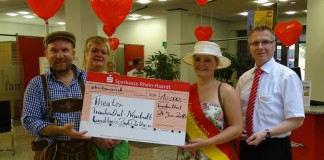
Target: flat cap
59,34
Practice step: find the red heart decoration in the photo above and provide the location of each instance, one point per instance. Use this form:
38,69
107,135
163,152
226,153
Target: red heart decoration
114,43
203,33
45,9
288,32
201,2
112,12
108,30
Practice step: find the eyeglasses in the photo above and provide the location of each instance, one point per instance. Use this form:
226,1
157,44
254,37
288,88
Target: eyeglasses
263,43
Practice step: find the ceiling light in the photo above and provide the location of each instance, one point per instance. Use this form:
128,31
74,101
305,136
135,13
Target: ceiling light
144,1
305,11
261,1
29,16
132,18
244,13
267,4
134,15
23,12
61,23
282,0
147,17
291,12
12,14
292,2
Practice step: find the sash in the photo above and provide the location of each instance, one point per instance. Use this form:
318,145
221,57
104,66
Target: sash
198,126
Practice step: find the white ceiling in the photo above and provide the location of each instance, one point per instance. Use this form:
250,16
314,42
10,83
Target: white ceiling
226,10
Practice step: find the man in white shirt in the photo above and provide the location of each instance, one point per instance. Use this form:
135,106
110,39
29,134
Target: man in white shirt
138,64
278,106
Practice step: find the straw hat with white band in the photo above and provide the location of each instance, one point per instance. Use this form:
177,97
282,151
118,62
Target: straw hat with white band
207,48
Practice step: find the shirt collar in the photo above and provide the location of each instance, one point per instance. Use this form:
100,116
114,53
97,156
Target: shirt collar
267,66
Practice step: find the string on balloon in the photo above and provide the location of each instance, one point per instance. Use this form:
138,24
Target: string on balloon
203,33
211,17
113,44
46,27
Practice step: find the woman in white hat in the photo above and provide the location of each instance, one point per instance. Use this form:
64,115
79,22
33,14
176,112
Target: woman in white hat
215,117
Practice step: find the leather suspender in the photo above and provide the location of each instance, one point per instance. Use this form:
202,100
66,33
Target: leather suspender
63,105
48,101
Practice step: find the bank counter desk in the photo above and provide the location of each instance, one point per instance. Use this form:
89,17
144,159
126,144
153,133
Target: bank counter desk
308,140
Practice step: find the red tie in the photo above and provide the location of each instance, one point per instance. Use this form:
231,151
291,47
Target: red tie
250,108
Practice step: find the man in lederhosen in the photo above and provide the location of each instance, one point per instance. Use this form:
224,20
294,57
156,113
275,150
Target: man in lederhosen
53,102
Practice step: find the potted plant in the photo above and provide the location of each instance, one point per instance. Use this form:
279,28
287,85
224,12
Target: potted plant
162,66
225,74
240,62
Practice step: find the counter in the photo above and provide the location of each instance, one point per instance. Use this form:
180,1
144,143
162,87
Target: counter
314,109
308,140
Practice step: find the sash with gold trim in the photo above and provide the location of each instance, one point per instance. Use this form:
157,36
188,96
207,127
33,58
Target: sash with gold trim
198,126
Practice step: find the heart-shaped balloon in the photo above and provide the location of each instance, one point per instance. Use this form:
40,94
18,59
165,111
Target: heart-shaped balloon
114,43
112,12
45,9
108,30
203,33
288,32
201,2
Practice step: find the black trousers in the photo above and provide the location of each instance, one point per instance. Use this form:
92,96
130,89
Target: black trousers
270,149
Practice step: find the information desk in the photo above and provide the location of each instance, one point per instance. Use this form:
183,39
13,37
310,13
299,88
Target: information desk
308,140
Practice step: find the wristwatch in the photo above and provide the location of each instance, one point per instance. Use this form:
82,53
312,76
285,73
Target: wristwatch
268,135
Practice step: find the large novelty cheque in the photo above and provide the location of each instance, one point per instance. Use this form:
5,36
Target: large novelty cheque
135,109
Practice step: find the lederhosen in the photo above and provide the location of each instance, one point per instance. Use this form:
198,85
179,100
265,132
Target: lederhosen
62,150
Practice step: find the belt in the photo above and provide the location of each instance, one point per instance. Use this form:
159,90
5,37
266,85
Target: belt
68,145
275,139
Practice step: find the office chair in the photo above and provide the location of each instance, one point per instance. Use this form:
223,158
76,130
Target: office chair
6,124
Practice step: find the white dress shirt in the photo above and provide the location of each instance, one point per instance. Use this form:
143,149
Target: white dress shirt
279,96
135,73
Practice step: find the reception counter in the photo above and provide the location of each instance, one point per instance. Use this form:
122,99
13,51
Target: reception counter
308,140
314,109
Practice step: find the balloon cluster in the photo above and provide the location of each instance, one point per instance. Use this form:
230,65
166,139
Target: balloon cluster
288,32
112,13
114,43
203,33
45,9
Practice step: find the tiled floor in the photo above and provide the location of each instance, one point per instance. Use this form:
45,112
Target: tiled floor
22,144
24,152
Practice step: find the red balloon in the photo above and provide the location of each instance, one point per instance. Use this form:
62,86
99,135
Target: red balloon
201,2
108,30
114,43
288,32
203,33
112,12
45,9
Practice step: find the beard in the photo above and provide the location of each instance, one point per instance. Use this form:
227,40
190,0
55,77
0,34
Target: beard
62,69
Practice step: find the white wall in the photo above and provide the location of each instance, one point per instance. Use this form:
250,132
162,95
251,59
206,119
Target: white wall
150,33
26,29
314,48
220,31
